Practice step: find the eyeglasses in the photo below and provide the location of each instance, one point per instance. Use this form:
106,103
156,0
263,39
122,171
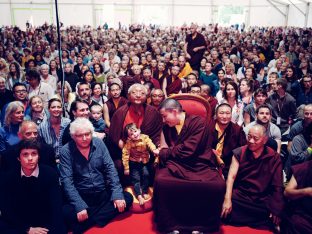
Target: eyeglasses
160,95
307,81
87,134
20,91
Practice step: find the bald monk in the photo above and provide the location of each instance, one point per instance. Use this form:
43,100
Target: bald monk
299,192
254,187
188,190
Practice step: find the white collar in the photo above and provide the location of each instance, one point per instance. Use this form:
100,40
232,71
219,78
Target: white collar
35,173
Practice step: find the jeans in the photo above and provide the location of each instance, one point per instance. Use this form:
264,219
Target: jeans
139,177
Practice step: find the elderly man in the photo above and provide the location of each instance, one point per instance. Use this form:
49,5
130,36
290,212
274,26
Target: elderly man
136,111
90,180
189,190
28,130
254,187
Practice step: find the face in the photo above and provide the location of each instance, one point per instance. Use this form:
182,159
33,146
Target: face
36,104
67,68
221,75
248,73
134,134
255,139
96,114
56,109
307,82
88,77
230,91
243,87
84,91
195,90
12,68
2,85
137,96
136,70
82,138
191,79
175,70
29,132
307,112
289,72
170,117
224,115
208,67
20,93
97,91
260,98
44,71
82,110
115,91
18,115
264,116
29,159
157,97
203,62
33,82
181,62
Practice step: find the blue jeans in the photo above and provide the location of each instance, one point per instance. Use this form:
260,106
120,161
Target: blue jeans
139,177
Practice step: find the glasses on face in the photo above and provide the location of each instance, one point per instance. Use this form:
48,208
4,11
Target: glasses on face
21,91
307,81
87,134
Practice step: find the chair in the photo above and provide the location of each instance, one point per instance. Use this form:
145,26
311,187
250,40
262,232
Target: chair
194,105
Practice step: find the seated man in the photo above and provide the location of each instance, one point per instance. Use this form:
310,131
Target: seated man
222,132
188,191
256,198
28,130
299,192
30,195
263,117
90,180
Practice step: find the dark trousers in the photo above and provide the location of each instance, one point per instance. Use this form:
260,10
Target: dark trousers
100,211
139,177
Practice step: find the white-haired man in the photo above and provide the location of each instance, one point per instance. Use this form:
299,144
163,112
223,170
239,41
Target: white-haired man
90,180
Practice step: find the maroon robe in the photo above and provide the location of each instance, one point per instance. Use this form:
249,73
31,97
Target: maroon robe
151,126
112,108
258,189
299,217
188,191
213,102
160,79
173,87
233,131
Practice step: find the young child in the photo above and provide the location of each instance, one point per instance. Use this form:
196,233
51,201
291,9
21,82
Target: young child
135,157
98,121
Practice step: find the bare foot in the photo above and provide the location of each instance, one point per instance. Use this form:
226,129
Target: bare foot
141,200
146,196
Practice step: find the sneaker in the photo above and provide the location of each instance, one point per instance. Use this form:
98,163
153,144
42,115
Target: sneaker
174,232
197,232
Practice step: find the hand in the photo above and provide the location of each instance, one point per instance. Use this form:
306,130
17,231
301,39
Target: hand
100,135
226,208
38,230
188,56
126,172
156,151
120,205
275,219
82,215
121,144
195,49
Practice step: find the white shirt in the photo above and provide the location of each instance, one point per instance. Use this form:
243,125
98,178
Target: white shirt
35,173
44,90
51,80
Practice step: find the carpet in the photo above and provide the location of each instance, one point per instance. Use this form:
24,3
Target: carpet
129,223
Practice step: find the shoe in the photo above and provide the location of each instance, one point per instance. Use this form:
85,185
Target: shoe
174,232
197,232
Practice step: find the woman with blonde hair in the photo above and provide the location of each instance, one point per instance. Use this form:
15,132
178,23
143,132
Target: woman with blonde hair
14,116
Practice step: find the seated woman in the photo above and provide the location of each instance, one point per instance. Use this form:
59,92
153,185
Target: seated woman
37,111
69,96
230,96
97,94
299,192
14,116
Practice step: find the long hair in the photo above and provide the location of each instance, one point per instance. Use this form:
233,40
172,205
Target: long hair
11,108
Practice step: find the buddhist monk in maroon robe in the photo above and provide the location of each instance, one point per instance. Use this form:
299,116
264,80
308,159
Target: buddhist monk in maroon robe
172,84
146,117
188,190
254,187
299,192
225,136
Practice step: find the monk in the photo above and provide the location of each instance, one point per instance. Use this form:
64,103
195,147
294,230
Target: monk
225,137
299,192
172,84
254,187
188,190
146,117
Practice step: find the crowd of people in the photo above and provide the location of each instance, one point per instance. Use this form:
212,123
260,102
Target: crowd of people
81,122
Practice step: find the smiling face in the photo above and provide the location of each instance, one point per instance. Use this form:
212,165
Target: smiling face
55,109
170,117
18,115
263,116
137,95
36,104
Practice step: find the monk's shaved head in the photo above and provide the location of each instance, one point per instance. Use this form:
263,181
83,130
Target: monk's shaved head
170,104
259,128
